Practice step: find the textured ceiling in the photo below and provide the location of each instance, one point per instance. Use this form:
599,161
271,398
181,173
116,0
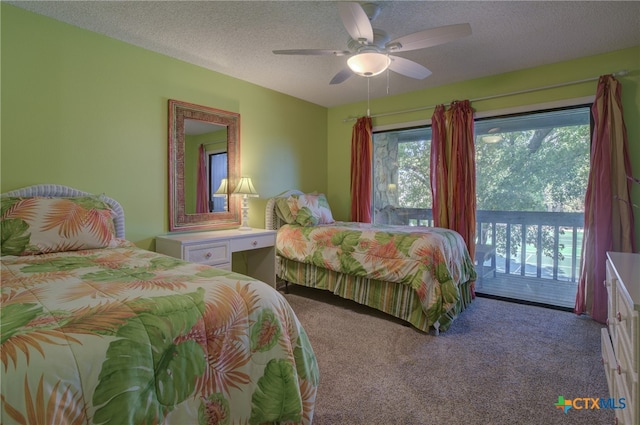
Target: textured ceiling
237,37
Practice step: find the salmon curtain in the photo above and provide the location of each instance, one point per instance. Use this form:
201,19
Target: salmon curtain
453,171
201,194
608,211
361,164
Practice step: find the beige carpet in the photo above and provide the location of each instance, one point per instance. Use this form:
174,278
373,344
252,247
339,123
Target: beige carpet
499,363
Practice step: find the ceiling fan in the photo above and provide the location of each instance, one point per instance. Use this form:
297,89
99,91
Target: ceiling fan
370,51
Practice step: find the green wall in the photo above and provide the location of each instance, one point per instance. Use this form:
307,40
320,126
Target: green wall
339,131
87,111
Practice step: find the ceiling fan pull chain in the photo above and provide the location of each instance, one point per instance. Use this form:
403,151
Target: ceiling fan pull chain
368,95
387,81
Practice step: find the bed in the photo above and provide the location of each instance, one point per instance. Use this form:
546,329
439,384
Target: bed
95,330
421,275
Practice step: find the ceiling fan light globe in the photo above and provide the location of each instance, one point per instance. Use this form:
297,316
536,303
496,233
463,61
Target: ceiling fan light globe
369,64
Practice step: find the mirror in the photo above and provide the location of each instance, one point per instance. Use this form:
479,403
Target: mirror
204,145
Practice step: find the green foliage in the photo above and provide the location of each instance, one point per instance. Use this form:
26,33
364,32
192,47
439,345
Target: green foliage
306,362
150,394
265,332
14,316
277,396
519,175
306,217
214,410
14,236
348,241
403,243
6,202
413,174
58,264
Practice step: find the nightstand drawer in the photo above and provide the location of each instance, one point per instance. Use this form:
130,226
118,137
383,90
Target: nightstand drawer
252,242
215,248
209,253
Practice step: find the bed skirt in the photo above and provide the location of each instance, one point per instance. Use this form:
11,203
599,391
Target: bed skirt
396,299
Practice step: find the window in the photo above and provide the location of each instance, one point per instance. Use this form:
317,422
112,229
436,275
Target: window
217,172
531,178
401,185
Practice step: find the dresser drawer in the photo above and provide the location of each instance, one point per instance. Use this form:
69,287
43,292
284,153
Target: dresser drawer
608,359
626,328
609,283
212,253
252,242
624,416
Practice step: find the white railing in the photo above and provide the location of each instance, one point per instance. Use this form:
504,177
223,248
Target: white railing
543,255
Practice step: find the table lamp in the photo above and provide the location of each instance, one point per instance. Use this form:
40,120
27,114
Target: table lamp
246,189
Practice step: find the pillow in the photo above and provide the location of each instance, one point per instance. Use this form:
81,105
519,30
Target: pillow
283,211
39,225
310,209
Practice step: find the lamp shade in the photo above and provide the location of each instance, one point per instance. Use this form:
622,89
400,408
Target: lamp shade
368,64
222,190
245,187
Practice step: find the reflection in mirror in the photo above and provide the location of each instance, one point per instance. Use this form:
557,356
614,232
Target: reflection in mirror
204,154
222,192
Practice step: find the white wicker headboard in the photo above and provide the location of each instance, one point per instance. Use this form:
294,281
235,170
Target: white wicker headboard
271,219
59,191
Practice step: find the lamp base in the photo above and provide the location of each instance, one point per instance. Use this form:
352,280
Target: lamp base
245,214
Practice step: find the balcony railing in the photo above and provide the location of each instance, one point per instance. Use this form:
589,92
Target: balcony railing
552,244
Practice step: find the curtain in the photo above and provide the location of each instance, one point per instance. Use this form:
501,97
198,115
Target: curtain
361,164
608,211
453,171
201,194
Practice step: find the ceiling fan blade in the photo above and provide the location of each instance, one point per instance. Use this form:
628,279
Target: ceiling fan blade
341,76
429,38
408,68
312,52
356,21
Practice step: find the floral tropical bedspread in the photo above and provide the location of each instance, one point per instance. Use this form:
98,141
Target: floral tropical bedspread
127,336
434,261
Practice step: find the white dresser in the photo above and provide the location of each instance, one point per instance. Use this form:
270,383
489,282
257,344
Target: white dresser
215,248
621,339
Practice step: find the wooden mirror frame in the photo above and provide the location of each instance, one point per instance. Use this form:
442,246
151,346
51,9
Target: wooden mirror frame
179,219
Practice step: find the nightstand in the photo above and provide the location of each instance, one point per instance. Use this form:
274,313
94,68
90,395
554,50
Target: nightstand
215,248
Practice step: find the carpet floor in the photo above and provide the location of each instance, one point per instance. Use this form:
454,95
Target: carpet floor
499,363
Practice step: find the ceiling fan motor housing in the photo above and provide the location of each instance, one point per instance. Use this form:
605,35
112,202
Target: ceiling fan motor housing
380,39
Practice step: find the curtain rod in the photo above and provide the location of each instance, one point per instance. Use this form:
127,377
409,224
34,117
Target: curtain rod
553,86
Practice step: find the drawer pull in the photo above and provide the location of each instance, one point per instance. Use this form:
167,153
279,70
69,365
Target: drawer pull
254,243
619,316
208,255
